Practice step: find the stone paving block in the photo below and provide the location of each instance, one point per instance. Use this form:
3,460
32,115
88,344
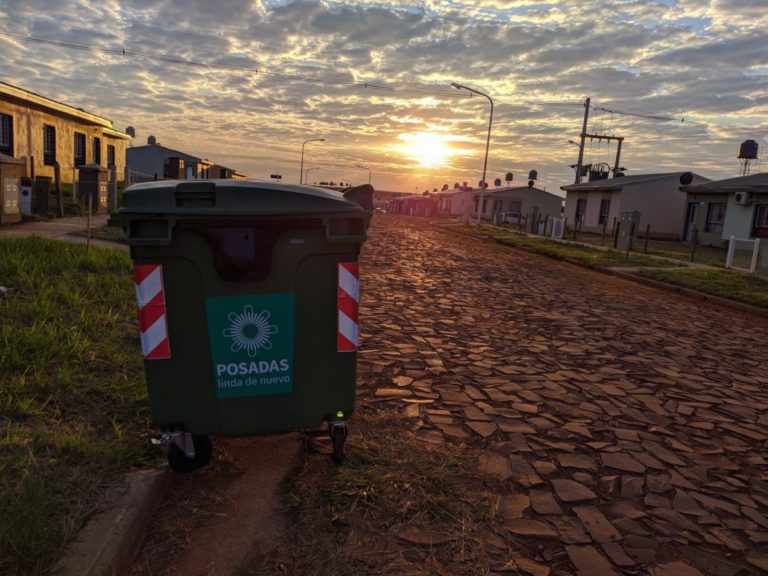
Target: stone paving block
513,505
484,429
572,491
589,562
543,502
598,526
522,472
494,465
530,528
617,555
675,569
581,461
571,531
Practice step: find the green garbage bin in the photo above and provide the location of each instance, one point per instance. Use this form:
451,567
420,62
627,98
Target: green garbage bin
247,295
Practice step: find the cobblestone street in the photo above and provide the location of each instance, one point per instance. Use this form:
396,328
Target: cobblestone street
624,427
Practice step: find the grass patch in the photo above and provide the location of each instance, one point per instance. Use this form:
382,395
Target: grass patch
750,289
709,255
73,408
561,250
368,515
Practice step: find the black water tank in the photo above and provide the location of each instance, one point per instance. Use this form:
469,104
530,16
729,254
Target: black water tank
748,150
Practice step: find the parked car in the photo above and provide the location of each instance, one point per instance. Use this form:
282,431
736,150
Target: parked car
511,217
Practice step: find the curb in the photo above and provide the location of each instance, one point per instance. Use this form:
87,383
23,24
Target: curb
109,542
666,286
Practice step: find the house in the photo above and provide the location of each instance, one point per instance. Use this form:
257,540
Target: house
45,133
519,201
720,209
596,206
456,202
219,171
414,205
156,162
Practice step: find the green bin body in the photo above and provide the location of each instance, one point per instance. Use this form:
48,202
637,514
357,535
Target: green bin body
247,297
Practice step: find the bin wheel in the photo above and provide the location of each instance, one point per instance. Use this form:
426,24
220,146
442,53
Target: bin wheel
338,436
181,464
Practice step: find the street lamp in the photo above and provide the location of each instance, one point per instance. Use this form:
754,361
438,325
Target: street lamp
369,171
306,176
301,170
487,145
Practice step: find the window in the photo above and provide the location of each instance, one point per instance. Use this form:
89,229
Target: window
6,134
110,155
79,149
605,207
49,144
581,207
715,217
760,229
97,150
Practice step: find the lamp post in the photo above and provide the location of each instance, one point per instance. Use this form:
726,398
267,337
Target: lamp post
301,170
487,145
306,175
369,171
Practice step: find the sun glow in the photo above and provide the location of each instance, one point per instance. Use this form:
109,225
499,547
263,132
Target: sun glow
429,149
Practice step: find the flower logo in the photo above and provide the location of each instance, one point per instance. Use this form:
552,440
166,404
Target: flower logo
250,331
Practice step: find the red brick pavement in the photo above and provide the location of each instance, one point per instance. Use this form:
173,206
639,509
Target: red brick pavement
629,423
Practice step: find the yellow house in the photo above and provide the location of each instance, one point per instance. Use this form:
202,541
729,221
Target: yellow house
44,132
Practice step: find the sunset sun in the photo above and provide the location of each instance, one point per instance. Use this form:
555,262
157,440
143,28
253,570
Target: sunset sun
428,149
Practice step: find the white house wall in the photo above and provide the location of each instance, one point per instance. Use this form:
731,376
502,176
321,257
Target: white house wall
549,204
738,219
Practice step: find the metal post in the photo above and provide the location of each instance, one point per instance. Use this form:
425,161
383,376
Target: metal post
755,253
694,237
618,156
583,138
301,169
616,228
602,237
487,145
647,234
631,236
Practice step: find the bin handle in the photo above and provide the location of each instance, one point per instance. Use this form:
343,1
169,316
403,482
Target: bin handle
160,240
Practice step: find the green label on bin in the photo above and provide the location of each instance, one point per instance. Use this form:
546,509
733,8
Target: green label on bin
251,344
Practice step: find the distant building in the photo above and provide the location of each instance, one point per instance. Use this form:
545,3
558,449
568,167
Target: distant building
44,132
724,208
520,200
595,206
156,162
414,205
219,171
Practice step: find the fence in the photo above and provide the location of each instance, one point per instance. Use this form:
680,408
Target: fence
743,254
558,227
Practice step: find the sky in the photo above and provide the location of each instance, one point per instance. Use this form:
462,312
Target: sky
683,82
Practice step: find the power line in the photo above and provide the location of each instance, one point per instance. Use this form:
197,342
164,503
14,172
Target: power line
354,84
224,67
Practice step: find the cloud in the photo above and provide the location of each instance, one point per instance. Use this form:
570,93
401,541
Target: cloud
538,61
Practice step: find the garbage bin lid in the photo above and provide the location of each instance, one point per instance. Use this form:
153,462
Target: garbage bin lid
232,197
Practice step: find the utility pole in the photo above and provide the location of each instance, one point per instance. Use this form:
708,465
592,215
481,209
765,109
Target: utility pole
584,136
581,145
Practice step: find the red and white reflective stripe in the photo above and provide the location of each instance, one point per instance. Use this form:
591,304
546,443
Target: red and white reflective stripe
150,297
348,303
